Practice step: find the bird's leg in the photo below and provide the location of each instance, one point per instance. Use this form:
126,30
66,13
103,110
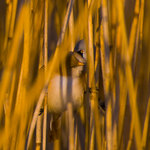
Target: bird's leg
55,124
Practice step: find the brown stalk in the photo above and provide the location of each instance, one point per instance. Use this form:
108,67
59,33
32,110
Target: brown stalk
133,104
76,138
130,141
21,105
122,106
71,126
130,83
121,21
106,75
90,56
13,17
70,106
8,22
38,132
8,112
39,117
57,144
71,29
139,36
45,64
99,130
35,116
134,30
113,68
102,52
141,22
146,124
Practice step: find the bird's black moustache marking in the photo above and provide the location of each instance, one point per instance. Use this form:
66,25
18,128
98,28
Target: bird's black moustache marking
75,59
80,53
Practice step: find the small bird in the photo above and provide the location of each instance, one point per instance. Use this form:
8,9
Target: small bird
67,84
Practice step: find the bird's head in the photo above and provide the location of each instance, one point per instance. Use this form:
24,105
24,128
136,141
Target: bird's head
77,59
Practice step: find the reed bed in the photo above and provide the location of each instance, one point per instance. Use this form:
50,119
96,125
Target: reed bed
37,35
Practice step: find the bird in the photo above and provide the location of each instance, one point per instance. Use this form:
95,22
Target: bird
67,85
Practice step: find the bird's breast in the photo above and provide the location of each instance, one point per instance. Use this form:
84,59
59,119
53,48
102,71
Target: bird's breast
62,90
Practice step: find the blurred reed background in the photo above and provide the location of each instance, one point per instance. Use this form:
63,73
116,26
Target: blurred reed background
34,33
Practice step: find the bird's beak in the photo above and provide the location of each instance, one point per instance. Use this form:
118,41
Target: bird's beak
75,60
80,59
81,64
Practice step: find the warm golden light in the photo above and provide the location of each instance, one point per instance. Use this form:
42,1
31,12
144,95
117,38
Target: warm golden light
35,39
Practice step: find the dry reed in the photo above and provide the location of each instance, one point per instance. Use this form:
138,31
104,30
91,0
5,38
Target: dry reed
118,73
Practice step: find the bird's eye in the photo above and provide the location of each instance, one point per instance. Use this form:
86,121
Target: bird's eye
80,53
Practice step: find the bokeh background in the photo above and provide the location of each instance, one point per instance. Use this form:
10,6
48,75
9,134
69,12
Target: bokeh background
37,33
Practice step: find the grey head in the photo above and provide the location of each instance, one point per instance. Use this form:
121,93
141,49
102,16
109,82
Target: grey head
80,48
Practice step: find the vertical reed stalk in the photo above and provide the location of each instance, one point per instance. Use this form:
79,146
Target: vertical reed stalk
91,147
71,29
8,109
122,107
99,84
102,53
13,17
70,107
76,138
35,116
113,79
71,126
133,104
21,101
57,144
38,132
8,22
146,124
107,76
45,64
90,54
141,22
130,141
133,32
